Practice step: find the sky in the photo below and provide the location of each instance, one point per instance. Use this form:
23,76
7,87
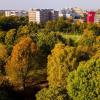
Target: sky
56,4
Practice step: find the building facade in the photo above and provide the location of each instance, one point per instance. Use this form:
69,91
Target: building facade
90,16
77,13
97,16
15,13
66,13
41,15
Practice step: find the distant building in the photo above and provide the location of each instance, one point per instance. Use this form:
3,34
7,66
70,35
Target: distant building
42,15
66,13
77,13
2,12
97,16
53,15
90,16
15,13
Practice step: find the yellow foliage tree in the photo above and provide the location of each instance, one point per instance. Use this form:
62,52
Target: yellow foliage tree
3,57
3,51
61,61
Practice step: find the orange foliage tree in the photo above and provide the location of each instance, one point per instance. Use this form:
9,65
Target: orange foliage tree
20,62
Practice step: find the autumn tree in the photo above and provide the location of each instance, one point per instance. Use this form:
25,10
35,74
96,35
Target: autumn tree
3,57
10,36
84,83
10,39
88,38
23,30
2,37
61,61
20,62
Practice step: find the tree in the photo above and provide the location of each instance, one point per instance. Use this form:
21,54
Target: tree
10,39
3,57
84,83
2,36
23,30
3,51
87,39
52,94
11,22
89,43
10,36
7,23
61,61
20,62
33,27
50,26
60,25
45,43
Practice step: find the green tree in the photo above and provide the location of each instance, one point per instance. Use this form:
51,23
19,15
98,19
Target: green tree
11,22
84,83
60,25
33,27
50,26
52,94
20,62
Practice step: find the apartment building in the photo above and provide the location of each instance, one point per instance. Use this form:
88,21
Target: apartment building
77,13
97,16
66,13
41,15
15,13
53,14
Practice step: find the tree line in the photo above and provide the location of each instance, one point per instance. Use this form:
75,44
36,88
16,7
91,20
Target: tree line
64,54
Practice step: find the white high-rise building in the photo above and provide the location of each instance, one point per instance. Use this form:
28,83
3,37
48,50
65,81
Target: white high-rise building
41,15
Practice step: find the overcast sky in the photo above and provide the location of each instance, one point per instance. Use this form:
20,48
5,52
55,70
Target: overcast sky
57,4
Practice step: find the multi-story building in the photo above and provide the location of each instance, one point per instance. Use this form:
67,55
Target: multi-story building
90,16
65,13
77,13
15,13
97,16
42,15
53,15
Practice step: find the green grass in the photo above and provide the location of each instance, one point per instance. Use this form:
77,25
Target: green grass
73,37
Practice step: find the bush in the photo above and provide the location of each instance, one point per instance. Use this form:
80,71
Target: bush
84,83
52,94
